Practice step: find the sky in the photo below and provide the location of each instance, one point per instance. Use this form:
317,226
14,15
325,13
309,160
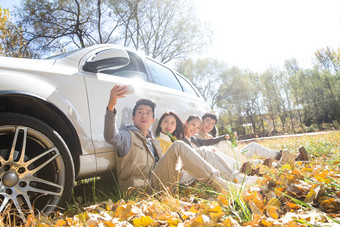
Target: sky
258,34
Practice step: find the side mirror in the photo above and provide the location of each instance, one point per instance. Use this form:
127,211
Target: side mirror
107,59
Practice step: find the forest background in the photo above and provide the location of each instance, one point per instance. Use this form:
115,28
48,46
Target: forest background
273,102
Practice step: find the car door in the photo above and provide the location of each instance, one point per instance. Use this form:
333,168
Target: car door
98,88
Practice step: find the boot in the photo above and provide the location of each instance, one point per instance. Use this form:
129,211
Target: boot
246,168
279,155
303,155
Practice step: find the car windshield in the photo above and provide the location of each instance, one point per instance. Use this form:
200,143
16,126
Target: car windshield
62,55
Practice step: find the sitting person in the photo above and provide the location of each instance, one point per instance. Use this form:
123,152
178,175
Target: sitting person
209,121
170,128
141,163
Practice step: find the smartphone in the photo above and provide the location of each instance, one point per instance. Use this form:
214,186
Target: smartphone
130,89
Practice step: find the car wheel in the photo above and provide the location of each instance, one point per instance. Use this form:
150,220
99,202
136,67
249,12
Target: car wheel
36,168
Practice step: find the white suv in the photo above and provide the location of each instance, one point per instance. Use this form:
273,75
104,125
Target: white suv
52,118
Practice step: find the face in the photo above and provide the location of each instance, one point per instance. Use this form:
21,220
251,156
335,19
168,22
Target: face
192,127
143,118
168,124
207,124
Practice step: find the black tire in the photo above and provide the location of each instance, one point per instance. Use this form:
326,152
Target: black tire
38,176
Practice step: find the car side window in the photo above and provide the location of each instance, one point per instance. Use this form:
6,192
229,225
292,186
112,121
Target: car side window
134,69
187,87
163,76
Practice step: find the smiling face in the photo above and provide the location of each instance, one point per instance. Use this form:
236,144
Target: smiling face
192,127
143,118
207,124
168,124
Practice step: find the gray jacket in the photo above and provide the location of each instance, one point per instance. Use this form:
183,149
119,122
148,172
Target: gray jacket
135,159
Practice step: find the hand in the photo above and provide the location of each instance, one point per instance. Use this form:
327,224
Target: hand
118,91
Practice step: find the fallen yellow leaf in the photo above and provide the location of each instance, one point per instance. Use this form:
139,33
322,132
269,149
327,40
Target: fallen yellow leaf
143,221
109,224
215,217
173,222
286,166
272,212
215,208
223,200
274,202
291,206
230,222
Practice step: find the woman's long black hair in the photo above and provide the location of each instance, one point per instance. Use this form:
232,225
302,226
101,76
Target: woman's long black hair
179,131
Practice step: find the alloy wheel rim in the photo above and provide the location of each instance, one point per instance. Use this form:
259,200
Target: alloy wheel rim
32,171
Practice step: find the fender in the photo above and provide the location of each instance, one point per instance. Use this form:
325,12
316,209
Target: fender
74,106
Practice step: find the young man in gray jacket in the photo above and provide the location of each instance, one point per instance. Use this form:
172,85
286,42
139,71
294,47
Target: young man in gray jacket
140,162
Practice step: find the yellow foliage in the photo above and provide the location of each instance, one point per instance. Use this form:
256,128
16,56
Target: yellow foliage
267,202
286,166
274,202
143,221
223,200
12,42
307,169
215,217
230,222
273,212
109,224
173,222
266,223
292,206
215,208
60,223
323,177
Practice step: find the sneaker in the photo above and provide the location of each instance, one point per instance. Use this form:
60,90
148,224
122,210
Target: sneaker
245,180
303,155
251,180
287,158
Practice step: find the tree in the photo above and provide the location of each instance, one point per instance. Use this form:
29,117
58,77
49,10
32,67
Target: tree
269,91
292,69
12,42
206,74
56,25
164,30
286,88
252,90
238,99
328,59
278,98
320,103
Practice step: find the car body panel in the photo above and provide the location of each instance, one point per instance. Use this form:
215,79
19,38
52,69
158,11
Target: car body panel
62,86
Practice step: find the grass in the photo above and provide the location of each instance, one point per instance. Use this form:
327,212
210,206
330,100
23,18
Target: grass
305,194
